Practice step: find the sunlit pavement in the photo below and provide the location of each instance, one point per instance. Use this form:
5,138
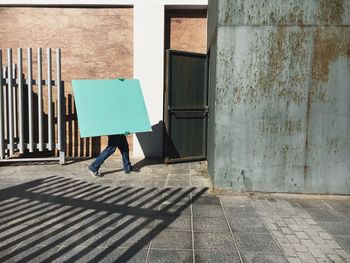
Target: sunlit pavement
165,213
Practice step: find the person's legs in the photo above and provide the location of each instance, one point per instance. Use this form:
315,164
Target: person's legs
113,141
124,150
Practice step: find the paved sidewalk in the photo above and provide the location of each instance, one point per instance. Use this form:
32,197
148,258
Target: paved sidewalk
165,213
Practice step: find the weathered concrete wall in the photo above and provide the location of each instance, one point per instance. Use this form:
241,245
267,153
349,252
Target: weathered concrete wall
283,12
212,52
212,93
281,96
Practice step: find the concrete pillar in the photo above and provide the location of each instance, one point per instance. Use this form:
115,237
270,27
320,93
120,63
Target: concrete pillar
149,69
280,91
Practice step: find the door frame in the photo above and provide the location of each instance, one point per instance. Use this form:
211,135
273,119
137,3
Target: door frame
166,109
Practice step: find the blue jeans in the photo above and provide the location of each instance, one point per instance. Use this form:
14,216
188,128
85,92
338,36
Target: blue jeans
114,142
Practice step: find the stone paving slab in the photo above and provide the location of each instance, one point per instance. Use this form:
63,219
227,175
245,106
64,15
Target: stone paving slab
165,213
217,256
210,224
264,258
300,233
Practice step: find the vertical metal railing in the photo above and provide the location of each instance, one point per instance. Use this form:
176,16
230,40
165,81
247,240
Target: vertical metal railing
20,130
30,101
49,101
59,103
5,104
10,101
40,101
60,108
2,128
20,102
14,102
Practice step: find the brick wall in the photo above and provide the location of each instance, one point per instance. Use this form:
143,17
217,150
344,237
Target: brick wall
95,43
186,30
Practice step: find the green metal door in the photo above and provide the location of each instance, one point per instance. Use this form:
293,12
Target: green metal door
186,107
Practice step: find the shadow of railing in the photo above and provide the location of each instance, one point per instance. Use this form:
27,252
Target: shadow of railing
64,219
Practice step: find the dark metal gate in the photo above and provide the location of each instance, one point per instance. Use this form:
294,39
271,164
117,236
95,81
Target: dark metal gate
186,107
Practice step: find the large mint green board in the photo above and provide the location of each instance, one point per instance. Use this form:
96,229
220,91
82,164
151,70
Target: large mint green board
107,107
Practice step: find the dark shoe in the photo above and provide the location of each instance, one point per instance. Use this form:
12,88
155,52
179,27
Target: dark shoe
131,169
94,174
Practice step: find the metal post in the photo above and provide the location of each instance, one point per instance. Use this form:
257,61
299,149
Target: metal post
30,101
49,99
6,126
40,101
58,87
62,156
10,99
14,96
60,108
20,101
2,149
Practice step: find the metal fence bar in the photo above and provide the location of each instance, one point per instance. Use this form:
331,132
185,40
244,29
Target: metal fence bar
60,110
49,100
33,159
40,100
2,139
14,96
6,126
10,100
59,102
30,101
20,101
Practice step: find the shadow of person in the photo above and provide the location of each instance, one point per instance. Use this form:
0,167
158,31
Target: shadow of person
148,162
111,172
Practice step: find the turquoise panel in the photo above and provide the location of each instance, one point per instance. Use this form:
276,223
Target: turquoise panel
107,107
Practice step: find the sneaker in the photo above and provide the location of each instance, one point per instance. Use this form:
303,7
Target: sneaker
131,169
94,174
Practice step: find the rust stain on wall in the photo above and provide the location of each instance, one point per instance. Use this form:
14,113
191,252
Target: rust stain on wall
329,45
276,59
278,72
296,12
286,51
271,126
332,11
